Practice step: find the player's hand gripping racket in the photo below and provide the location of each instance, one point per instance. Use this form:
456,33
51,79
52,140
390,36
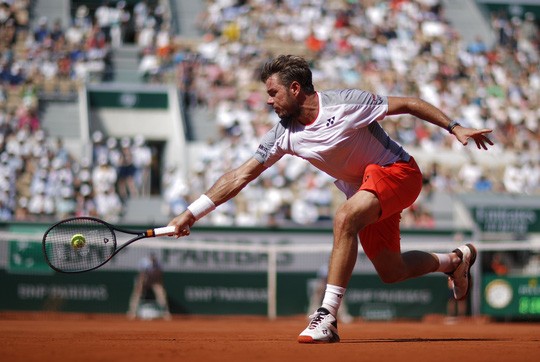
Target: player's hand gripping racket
82,244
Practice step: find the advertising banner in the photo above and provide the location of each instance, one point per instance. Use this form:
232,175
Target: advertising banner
511,297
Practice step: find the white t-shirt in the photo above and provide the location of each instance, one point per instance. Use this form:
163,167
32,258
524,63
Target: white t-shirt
343,140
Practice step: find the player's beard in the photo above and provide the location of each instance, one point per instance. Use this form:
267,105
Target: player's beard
291,112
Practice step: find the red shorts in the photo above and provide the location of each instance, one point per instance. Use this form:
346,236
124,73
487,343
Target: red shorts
396,186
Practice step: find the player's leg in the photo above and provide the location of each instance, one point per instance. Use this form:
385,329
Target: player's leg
362,206
381,243
356,213
375,210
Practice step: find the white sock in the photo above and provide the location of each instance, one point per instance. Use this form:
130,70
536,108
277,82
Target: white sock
332,298
445,262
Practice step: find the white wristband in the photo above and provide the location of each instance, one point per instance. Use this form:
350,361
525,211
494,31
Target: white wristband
202,206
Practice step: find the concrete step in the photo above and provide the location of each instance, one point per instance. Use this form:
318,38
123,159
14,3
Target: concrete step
61,119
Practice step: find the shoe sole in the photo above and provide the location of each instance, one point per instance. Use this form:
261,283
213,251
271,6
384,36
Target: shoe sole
310,340
471,263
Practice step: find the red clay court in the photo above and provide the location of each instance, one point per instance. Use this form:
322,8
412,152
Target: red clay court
77,337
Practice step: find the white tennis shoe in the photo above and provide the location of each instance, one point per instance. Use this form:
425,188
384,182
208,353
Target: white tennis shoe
322,328
461,277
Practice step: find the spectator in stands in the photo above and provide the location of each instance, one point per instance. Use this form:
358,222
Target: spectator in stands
149,65
114,155
499,264
83,18
175,191
21,210
5,209
120,24
531,171
126,172
104,17
469,174
514,178
41,205
104,176
142,160
141,13
529,28
28,118
41,33
74,34
108,205
57,33
86,205
65,203
99,147
483,184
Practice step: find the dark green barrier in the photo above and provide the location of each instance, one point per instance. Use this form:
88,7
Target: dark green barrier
511,297
372,299
91,292
218,293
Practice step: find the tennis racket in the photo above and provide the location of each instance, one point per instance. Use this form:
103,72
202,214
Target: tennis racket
96,243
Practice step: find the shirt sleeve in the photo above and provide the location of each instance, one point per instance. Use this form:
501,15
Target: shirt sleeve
365,107
269,150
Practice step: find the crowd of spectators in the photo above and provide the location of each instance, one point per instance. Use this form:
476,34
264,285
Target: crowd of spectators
401,47
397,47
39,179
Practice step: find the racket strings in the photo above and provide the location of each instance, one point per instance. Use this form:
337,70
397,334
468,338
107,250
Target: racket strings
99,245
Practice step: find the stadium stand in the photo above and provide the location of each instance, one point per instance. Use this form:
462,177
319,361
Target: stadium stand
389,47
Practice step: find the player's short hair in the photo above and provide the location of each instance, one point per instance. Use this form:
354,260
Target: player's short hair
289,68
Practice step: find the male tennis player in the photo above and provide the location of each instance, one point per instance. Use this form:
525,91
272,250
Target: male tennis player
338,132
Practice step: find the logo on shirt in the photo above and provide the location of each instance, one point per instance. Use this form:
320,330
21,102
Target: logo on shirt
330,121
262,151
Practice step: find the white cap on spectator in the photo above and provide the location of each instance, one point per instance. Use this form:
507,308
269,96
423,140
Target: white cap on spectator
66,192
23,202
85,189
97,136
111,142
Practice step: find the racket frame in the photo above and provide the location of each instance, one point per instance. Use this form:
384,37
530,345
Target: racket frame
148,233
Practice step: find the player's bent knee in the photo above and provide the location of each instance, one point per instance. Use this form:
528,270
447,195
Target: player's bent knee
343,222
390,275
391,278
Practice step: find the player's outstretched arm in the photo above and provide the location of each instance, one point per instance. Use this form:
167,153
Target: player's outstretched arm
224,189
428,112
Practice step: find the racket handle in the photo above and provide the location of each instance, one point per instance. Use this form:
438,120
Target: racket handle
167,230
